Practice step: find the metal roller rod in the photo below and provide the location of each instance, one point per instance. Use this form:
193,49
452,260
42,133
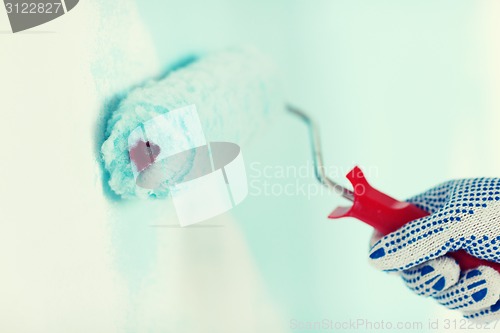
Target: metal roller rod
319,168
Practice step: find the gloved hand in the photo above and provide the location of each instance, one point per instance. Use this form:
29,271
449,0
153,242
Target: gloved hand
465,214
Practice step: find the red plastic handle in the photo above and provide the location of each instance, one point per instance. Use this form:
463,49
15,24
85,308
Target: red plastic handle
387,214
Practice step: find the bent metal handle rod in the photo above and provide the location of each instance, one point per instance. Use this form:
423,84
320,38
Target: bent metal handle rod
319,168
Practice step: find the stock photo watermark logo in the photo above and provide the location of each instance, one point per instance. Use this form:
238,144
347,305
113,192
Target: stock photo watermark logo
170,154
26,14
382,325
299,180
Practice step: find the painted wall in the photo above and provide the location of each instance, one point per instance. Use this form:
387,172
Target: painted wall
407,90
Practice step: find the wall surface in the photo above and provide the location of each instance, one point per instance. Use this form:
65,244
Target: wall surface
408,90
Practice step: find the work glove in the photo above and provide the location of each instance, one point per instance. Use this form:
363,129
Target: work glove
465,214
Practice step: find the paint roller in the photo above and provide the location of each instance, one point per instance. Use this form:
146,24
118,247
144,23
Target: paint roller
234,92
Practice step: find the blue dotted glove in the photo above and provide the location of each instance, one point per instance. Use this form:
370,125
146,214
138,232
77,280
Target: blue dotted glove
465,214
